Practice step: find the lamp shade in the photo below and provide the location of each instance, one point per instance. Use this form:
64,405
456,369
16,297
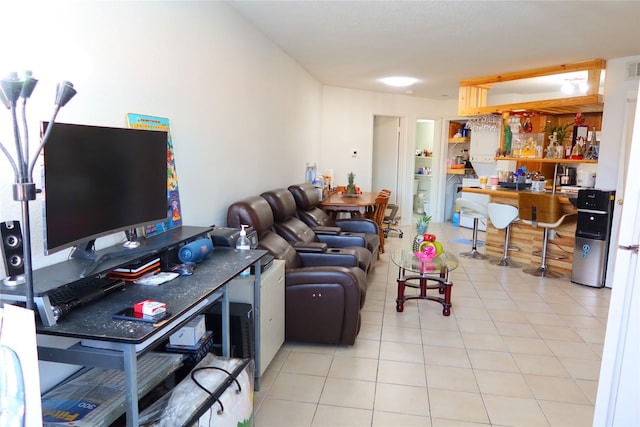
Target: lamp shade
28,85
11,85
64,93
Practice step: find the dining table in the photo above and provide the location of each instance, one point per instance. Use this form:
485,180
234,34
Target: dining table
357,204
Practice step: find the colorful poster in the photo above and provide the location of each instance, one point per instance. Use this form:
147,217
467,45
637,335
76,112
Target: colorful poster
174,215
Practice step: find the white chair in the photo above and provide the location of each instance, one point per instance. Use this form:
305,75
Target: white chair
477,211
502,216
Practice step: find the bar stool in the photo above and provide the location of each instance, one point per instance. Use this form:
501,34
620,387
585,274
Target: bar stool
477,211
541,210
502,216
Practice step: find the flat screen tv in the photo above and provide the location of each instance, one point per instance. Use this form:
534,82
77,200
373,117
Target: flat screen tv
101,180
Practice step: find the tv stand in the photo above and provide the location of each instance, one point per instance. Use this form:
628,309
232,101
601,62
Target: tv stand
117,344
85,250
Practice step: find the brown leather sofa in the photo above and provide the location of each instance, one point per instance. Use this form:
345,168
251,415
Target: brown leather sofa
289,226
307,200
322,300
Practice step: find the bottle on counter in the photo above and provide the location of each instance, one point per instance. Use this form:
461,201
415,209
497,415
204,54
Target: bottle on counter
243,244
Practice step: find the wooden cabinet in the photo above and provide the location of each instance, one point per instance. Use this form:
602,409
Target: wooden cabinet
268,311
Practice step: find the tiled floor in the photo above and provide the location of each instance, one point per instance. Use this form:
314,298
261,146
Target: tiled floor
516,351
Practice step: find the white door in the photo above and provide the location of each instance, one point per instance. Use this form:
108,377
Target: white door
386,145
619,384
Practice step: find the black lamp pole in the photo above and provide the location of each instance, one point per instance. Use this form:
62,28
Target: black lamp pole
12,88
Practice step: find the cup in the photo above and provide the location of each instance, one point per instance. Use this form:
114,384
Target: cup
483,182
494,182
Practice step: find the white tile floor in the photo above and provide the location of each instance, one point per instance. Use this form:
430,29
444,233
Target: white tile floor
516,351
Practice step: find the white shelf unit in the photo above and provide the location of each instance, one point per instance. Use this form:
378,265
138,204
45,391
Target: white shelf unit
268,311
424,190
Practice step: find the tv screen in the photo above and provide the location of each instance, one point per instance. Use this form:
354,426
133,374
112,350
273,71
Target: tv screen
101,180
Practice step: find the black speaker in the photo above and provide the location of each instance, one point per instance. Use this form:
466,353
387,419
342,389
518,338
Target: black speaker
12,250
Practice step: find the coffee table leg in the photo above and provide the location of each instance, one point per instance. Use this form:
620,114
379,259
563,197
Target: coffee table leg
400,299
423,287
447,301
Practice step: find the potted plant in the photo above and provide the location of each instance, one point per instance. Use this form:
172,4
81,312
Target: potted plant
423,223
351,187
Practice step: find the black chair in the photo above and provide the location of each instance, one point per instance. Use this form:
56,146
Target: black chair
322,300
307,199
289,226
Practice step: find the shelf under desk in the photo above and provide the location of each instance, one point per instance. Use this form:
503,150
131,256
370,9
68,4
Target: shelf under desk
185,297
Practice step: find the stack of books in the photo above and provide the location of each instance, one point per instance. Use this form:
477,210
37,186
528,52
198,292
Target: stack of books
134,271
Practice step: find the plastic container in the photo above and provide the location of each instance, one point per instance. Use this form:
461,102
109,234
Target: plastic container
243,244
456,219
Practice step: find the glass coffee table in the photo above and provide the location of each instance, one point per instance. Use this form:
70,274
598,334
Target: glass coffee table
424,275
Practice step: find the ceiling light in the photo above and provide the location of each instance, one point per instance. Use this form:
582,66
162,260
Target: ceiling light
398,81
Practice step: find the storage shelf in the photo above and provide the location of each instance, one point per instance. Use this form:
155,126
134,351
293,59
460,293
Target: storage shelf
459,171
541,160
460,140
422,175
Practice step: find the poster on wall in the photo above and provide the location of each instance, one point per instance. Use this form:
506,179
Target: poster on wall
174,215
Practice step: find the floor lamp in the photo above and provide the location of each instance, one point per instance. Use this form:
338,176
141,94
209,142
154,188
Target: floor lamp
14,88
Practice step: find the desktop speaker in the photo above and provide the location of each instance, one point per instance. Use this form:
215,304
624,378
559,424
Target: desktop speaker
12,248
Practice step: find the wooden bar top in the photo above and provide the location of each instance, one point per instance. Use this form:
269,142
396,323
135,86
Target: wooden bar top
502,192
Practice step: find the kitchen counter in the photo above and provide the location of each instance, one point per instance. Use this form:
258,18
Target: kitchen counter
527,238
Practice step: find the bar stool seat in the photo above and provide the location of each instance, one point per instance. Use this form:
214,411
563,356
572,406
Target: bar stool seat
502,216
541,210
477,211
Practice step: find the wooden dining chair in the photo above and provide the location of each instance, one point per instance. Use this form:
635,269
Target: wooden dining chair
379,209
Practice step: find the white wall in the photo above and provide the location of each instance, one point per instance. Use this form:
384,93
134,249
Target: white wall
245,117
347,122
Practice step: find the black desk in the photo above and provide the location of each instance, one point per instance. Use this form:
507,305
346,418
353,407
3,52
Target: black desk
185,297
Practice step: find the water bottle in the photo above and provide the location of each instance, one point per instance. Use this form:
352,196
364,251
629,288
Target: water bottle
456,219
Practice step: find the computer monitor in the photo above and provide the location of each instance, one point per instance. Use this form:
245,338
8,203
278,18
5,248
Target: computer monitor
101,180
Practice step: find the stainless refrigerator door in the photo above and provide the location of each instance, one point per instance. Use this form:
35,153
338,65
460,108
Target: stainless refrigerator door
589,262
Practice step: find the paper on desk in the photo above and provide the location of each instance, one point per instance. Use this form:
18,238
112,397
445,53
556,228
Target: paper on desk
18,332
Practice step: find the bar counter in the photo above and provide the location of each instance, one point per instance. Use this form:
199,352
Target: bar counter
527,238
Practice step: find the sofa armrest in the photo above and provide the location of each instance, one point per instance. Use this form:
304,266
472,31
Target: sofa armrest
358,225
323,229
310,247
340,257
343,240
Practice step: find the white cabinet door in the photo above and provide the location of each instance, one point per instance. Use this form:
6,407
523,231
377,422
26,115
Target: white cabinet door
269,334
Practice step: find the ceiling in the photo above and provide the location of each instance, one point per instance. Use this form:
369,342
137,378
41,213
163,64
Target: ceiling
352,44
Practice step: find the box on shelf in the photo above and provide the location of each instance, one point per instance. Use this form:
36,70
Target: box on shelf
190,333
527,145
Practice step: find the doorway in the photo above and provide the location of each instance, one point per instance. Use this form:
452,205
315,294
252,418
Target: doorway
386,156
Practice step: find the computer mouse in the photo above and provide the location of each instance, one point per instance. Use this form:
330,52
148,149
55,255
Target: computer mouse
184,269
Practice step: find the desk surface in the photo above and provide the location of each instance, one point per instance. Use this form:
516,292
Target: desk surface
94,321
341,202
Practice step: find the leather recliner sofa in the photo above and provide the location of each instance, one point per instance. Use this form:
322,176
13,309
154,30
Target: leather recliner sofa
322,300
289,226
307,199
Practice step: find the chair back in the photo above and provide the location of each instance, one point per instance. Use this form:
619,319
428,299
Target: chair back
286,223
501,214
379,209
307,200
256,212
472,208
539,207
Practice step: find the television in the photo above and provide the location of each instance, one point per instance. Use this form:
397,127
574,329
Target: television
101,180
